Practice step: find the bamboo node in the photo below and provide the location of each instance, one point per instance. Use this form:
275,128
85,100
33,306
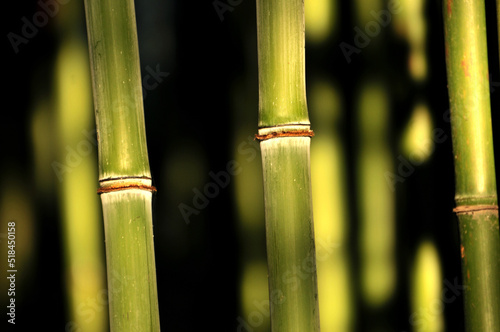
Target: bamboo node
125,183
474,208
290,133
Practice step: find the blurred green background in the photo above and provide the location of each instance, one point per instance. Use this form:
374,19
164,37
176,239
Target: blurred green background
388,254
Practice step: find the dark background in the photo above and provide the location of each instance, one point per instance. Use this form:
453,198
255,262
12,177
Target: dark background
193,111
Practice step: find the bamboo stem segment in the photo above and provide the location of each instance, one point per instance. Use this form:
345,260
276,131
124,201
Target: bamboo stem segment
124,175
132,291
281,56
290,234
476,192
117,86
285,137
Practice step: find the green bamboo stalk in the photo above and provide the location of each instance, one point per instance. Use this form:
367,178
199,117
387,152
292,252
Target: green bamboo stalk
476,192
124,175
285,146
281,56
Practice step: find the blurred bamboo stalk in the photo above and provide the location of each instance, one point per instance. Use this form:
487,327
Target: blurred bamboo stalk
475,180
83,238
284,132
321,20
417,145
331,218
374,160
411,24
75,168
124,175
328,174
376,198
254,292
426,289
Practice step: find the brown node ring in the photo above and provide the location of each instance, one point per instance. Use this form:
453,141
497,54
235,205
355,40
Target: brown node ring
125,186
291,133
474,208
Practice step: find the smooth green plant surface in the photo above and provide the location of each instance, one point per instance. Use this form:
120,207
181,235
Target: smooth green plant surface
290,234
124,175
130,261
114,57
476,192
281,42
286,166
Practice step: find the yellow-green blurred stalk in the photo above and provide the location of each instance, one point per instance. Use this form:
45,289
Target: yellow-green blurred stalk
374,159
328,180
411,24
426,302
81,223
376,197
427,305
321,20
330,211
75,169
417,142
254,292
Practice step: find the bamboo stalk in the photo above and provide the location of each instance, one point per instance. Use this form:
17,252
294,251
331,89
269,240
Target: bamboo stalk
476,192
124,175
285,145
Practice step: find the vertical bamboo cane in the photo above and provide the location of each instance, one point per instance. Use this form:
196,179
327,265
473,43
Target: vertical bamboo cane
284,132
476,192
124,175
